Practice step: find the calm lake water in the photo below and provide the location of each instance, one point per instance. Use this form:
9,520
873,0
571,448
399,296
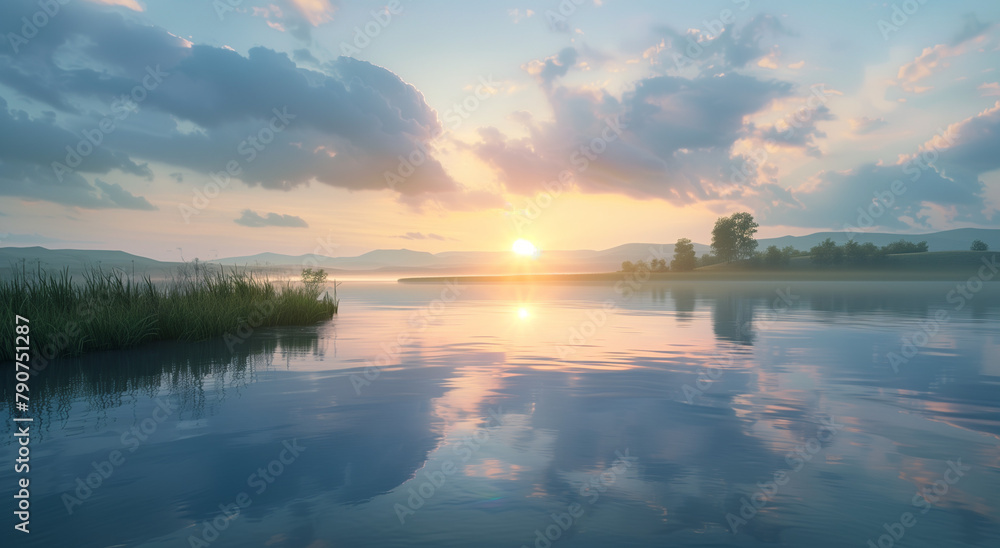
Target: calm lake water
791,414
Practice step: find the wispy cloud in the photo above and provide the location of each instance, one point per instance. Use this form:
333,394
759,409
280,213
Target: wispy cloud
422,236
255,220
518,15
130,4
315,11
934,59
122,198
864,124
990,89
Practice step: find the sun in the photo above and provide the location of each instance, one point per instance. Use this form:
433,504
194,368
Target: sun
524,247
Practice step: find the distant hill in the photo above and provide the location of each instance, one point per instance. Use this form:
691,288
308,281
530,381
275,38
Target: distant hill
583,260
265,259
373,260
397,261
76,259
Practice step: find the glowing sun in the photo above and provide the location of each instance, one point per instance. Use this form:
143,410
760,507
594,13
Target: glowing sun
524,247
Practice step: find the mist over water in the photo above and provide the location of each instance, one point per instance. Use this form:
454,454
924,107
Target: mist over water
684,414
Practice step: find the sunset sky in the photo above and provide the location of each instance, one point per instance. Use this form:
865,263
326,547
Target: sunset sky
649,119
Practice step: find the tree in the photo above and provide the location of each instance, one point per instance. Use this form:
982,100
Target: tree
852,253
642,266
313,277
732,237
628,266
827,253
871,253
774,257
684,257
658,265
979,245
903,246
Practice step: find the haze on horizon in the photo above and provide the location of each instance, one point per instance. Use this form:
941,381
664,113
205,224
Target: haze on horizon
646,120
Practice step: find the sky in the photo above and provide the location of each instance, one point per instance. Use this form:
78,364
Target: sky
176,129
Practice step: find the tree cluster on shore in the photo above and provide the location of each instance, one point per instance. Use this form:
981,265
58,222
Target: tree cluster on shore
828,253
733,242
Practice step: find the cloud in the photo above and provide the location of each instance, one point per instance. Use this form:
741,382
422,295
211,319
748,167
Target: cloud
934,59
517,15
352,120
743,46
972,152
177,176
123,198
547,70
41,141
37,183
675,138
315,11
298,17
769,61
798,130
29,147
989,89
942,177
130,4
733,48
972,27
929,61
305,56
863,124
422,236
255,220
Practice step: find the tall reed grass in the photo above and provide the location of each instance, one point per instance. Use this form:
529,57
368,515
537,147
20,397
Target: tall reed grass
111,310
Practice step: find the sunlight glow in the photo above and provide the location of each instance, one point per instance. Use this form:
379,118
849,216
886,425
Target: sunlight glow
524,247
523,313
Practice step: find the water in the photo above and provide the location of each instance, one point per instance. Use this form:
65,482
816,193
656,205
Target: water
663,416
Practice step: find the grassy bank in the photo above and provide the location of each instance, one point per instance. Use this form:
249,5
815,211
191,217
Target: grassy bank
105,311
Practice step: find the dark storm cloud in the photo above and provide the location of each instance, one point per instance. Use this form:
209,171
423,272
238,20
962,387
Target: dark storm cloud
253,219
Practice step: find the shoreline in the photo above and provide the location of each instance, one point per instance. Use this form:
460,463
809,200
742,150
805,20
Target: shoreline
829,275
